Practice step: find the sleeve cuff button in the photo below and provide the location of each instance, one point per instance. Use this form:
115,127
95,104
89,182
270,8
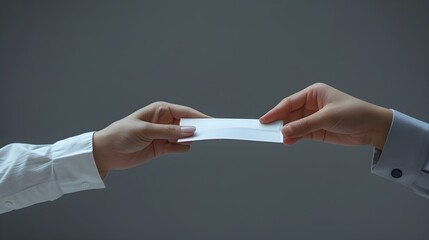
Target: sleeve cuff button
396,173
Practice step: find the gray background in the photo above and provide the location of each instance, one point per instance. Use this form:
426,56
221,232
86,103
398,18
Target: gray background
76,66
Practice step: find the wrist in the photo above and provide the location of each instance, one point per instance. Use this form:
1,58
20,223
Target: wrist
381,126
97,151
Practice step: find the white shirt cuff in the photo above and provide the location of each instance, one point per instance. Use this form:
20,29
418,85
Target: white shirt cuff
405,152
36,173
74,164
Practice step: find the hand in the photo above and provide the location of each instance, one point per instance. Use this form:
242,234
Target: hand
323,113
145,134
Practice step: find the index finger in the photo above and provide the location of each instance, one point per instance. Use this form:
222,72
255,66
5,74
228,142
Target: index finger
179,111
285,107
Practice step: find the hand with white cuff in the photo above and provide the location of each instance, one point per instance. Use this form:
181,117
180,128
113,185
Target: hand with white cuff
145,134
323,113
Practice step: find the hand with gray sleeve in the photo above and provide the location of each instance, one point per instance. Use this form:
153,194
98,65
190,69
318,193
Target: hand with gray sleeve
323,113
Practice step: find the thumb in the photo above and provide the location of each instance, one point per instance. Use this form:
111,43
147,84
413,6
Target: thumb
306,125
167,131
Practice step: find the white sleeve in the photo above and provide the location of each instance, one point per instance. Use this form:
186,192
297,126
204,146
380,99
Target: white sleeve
404,158
31,174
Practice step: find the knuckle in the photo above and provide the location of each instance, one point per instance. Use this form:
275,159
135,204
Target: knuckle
160,108
159,103
319,85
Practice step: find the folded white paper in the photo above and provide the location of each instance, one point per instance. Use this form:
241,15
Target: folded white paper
237,129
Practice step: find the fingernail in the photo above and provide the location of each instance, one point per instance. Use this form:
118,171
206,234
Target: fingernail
187,129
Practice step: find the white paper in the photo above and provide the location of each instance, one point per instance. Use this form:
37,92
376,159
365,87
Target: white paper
230,128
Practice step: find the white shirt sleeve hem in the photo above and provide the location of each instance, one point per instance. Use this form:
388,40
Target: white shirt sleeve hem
405,152
74,164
